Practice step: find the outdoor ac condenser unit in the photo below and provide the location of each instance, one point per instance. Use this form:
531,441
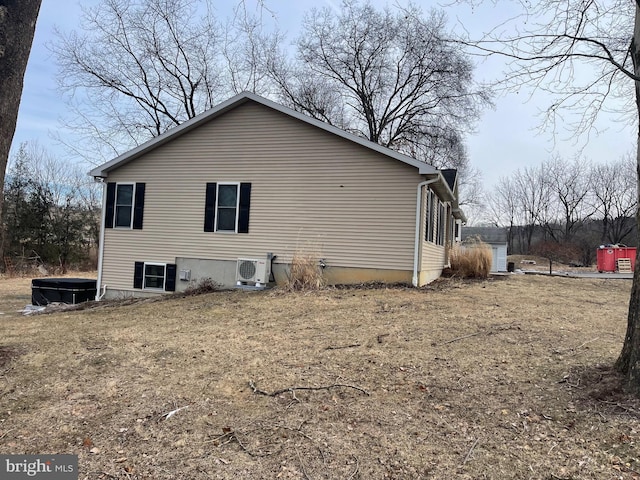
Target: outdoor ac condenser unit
252,270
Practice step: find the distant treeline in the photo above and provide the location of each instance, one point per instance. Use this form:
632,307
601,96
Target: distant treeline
51,215
566,209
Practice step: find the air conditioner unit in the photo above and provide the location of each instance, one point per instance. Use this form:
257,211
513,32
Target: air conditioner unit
252,271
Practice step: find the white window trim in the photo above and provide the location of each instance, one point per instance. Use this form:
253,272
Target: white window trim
440,223
432,213
144,277
237,185
115,206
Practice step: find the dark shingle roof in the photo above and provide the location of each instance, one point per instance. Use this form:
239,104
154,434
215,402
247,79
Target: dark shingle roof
450,175
486,234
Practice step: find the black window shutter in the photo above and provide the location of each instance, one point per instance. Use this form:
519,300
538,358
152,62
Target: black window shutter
245,204
210,208
138,206
170,278
110,206
138,274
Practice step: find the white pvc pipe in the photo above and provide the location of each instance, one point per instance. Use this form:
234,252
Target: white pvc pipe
101,246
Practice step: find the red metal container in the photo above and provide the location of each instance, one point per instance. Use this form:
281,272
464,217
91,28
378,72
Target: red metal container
608,256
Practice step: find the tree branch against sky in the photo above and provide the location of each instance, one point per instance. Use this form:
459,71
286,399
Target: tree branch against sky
136,68
389,75
585,54
574,52
141,66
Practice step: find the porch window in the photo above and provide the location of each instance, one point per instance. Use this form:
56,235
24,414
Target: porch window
430,216
442,218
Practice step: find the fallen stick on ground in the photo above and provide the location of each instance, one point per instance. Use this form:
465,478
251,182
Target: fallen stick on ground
357,469
468,456
499,328
292,390
461,338
353,345
585,343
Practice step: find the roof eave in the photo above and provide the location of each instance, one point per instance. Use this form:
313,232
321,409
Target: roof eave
458,214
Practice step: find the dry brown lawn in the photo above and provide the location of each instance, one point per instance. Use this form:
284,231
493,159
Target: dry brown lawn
496,379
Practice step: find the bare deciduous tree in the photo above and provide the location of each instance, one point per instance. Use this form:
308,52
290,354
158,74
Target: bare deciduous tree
389,76
246,51
504,208
533,196
570,186
615,198
140,68
584,53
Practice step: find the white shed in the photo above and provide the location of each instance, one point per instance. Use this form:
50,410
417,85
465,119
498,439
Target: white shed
496,238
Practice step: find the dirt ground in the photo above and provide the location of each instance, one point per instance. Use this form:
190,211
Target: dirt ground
501,379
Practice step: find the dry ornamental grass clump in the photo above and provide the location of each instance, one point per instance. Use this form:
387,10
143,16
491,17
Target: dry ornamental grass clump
305,272
472,260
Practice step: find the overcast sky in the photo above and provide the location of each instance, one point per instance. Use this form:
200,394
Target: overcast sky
506,137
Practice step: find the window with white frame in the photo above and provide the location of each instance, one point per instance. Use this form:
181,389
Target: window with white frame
442,218
430,216
227,207
154,276
124,205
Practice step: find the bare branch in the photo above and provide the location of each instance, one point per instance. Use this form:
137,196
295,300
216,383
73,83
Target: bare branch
292,390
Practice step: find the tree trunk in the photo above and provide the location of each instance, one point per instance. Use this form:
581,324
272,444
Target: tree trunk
17,27
629,361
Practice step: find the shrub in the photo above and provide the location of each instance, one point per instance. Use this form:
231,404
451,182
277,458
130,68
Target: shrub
558,252
471,260
204,285
305,272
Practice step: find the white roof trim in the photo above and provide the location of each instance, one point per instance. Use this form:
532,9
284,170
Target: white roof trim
103,170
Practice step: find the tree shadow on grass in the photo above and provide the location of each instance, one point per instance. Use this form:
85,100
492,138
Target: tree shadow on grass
7,354
600,387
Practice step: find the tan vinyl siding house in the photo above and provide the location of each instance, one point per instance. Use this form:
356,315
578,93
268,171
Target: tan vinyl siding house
276,182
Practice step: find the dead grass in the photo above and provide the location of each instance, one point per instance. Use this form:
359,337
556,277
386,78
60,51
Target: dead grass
472,260
305,272
498,379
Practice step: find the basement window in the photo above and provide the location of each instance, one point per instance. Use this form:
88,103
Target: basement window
154,276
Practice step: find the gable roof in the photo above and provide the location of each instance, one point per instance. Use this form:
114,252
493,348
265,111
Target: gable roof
491,235
103,170
451,176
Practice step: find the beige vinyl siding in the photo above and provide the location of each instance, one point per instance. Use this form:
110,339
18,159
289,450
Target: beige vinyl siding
310,189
